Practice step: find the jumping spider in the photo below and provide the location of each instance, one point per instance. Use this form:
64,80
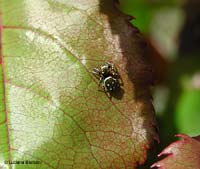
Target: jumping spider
108,76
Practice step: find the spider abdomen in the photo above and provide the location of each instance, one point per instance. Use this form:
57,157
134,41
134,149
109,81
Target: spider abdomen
110,84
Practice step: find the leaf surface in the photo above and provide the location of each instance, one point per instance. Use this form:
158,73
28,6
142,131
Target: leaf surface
182,154
52,112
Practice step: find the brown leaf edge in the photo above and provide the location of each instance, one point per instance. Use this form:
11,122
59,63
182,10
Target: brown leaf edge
143,74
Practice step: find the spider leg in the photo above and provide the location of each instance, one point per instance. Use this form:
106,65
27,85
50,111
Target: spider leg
117,76
120,81
96,72
108,94
101,82
109,63
113,69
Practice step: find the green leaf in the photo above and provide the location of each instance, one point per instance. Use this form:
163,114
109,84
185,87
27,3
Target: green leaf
188,112
52,112
187,109
145,11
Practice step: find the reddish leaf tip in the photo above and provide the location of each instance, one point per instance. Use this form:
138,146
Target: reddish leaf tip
183,153
155,165
184,136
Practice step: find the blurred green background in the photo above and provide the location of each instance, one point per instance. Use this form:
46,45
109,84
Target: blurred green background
172,28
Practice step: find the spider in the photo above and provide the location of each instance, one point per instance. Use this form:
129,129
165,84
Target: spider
108,76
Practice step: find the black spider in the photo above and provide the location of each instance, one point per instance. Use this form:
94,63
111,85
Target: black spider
108,76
